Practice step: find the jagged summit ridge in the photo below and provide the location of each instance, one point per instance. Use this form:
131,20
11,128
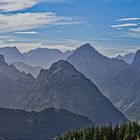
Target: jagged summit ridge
64,67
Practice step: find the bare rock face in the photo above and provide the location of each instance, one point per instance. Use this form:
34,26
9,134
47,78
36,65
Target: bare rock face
137,58
62,86
98,68
13,83
126,85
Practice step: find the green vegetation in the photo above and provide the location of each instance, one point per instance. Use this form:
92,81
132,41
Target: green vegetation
125,131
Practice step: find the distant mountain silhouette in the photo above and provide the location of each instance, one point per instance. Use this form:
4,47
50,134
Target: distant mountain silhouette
62,86
12,54
44,57
27,68
127,58
44,125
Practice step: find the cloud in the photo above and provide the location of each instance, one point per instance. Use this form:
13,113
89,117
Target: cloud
16,5
58,1
128,19
118,49
26,21
28,33
131,34
137,30
132,29
124,25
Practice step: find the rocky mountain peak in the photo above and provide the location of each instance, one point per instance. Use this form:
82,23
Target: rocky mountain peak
137,58
119,56
87,47
86,51
64,67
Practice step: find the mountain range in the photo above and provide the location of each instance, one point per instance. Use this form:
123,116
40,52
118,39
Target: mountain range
21,74
62,86
44,57
118,80
95,66
125,89
33,61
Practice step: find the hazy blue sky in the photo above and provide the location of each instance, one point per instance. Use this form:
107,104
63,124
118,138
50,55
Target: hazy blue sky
111,26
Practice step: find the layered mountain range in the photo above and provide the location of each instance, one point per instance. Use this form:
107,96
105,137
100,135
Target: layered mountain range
33,61
43,57
62,86
115,78
118,80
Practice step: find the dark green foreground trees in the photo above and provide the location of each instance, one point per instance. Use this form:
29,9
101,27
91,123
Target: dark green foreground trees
125,131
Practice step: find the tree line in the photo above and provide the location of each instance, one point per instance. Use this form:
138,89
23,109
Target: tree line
125,131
